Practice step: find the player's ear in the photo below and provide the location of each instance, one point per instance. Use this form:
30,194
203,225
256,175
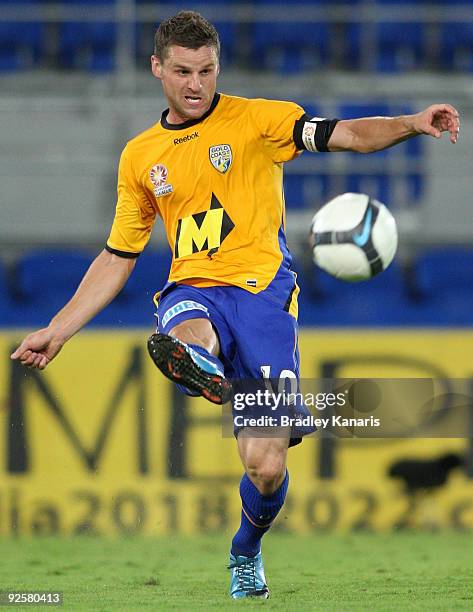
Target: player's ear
156,67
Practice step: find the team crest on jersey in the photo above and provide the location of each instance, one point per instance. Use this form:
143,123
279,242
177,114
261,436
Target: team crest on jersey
159,176
221,157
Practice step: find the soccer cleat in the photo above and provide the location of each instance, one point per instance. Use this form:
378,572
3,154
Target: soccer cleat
247,578
181,364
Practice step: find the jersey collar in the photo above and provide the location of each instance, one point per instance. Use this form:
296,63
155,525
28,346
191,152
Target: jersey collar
191,122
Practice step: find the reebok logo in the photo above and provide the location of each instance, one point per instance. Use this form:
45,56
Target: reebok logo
178,141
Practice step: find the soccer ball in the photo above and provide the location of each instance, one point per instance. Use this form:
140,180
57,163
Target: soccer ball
354,237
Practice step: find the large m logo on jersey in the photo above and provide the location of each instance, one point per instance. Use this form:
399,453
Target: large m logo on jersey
204,231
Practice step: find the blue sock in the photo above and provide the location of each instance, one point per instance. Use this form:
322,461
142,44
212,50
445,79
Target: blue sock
258,512
215,363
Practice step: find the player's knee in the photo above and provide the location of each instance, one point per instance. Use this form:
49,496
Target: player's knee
267,477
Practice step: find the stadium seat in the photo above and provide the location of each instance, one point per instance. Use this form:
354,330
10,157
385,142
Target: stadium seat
400,46
456,47
443,280
377,186
289,46
381,302
44,281
88,45
21,43
302,190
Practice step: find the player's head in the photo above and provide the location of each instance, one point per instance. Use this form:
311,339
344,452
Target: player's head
186,60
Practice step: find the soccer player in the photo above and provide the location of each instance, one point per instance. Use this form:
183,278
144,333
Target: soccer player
211,168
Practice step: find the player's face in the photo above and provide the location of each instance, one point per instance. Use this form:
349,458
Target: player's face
189,79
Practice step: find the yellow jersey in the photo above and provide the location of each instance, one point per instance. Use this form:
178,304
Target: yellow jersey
216,183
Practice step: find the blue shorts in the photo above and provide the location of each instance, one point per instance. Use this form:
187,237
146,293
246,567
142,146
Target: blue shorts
257,334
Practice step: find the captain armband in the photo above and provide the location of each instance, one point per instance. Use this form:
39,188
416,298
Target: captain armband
313,134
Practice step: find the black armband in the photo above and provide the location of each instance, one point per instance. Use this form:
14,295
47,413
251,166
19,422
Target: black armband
313,134
124,254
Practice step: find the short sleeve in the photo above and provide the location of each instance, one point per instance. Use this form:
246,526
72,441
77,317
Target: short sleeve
275,122
134,214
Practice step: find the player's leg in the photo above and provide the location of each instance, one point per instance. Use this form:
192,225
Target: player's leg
198,332
186,346
263,490
267,349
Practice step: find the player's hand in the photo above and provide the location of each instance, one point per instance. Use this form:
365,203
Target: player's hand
38,349
436,119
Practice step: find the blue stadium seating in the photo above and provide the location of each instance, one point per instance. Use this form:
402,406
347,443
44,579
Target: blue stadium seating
381,301
44,281
287,46
290,46
456,47
400,46
302,190
436,291
88,45
377,185
443,279
21,43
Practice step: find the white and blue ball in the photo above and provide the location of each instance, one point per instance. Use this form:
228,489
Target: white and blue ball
354,237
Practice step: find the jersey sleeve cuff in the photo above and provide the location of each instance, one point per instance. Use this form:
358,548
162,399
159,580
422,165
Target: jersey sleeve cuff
124,254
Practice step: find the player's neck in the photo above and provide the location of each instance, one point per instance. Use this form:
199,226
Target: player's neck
171,119
175,119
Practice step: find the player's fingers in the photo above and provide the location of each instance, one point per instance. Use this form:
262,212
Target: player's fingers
19,351
25,355
452,125
454,129
452,110
43,363
444,108
37,361
28,360
40,360
432,131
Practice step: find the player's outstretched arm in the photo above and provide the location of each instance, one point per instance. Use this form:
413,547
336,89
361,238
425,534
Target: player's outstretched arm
102,282
375,133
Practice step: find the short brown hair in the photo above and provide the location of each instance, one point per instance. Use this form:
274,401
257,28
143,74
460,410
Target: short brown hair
186,29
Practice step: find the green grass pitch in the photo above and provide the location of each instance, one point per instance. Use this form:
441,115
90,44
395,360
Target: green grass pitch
415,571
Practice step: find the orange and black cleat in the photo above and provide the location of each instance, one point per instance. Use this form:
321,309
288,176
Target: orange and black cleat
190,370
